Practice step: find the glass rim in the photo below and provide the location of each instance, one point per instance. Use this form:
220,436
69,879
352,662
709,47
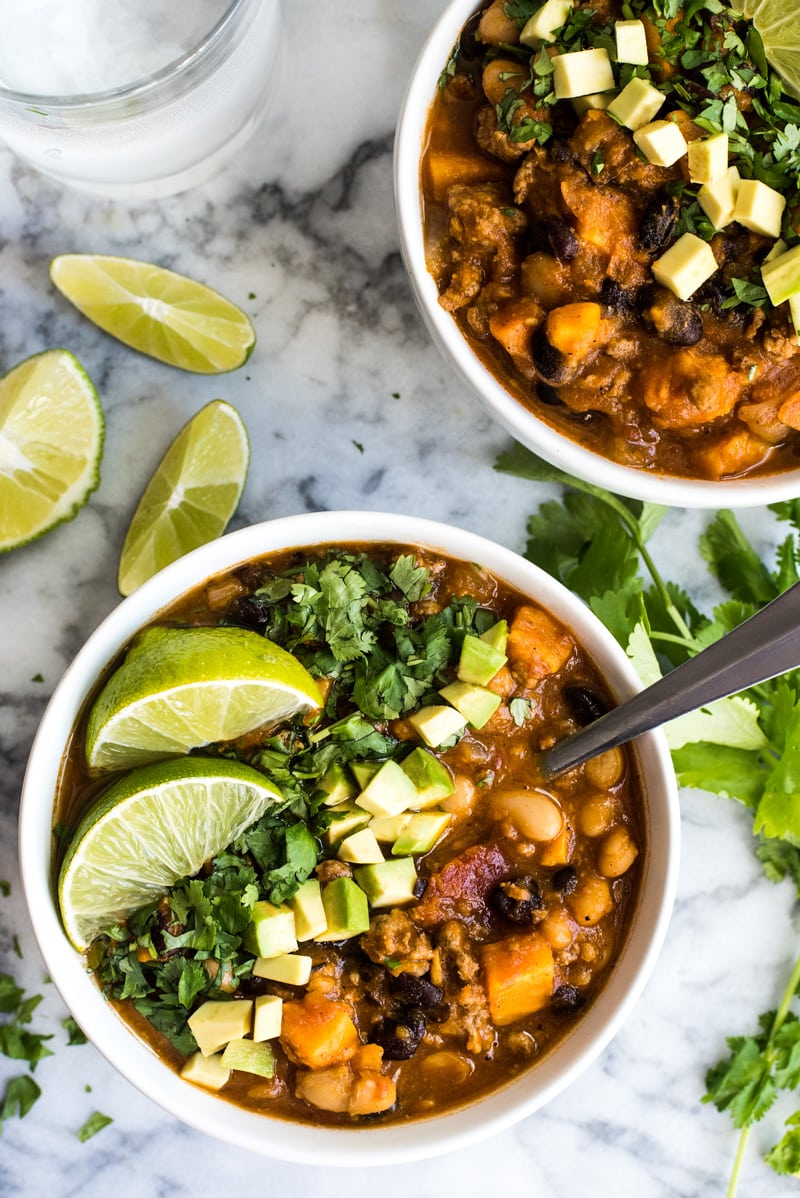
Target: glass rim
174,69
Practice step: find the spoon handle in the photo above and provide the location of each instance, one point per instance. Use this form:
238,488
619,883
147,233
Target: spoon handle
762,647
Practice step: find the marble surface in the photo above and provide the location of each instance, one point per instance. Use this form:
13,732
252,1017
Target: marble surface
348,405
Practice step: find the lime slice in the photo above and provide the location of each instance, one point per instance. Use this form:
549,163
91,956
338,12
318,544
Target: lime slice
191,497
51,442
168,316
777,22
182,688
149,830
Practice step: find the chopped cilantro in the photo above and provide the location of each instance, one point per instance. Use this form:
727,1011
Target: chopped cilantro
38,678
359,446
74,1033
5,888
521,710
20,1094
95,1123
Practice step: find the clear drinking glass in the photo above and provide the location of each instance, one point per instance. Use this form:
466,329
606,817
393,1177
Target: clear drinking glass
136,98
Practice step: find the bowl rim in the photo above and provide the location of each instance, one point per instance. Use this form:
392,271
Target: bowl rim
524,425
305,1143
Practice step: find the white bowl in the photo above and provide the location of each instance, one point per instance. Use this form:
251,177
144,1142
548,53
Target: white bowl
528,428
398,1142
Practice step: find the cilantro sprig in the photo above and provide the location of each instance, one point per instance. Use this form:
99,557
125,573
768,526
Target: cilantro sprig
745,748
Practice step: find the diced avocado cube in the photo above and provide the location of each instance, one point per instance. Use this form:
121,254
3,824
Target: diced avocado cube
544,22
215,1023
708,158
389,792
267,1017
362,771
631,42
759,208
421,833
636,104
250,1057
361,848
271,930
338,785
293,969
346,909
386,828
431,777
497,635
780,247
476,703
309,913
206,1071
390,884
685,266
718,199
581,72
479,661
437,724
600,100
346,819
781,276
661,142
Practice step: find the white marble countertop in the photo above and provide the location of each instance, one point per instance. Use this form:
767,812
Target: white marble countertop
300,231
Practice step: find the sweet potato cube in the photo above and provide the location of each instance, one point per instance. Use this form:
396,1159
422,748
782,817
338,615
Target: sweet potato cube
575,329
537,645
518,974
445,168
317,1032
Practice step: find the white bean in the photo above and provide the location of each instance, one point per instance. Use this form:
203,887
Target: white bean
533,814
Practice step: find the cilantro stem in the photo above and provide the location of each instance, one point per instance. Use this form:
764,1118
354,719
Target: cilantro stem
733,1184
661,587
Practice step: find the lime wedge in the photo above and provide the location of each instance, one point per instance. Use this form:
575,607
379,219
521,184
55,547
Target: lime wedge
191,496
172,318
777,22
149,830
182,688
51,442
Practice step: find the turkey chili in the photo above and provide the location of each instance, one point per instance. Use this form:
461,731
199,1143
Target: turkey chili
610,202
443,918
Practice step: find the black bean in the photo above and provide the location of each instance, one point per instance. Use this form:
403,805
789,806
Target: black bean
673,321
567,999
550,363
248,612
622,301
658,223
518,901
415,992
398,1038
563,241
559,151
420,886
584,704
548,395
565,880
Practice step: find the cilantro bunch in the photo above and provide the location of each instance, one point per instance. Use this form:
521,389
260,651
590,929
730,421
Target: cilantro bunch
746,747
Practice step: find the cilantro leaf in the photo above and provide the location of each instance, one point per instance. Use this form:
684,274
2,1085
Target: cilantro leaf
743,1085
734,561
95,1123
784,1158
20,1094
